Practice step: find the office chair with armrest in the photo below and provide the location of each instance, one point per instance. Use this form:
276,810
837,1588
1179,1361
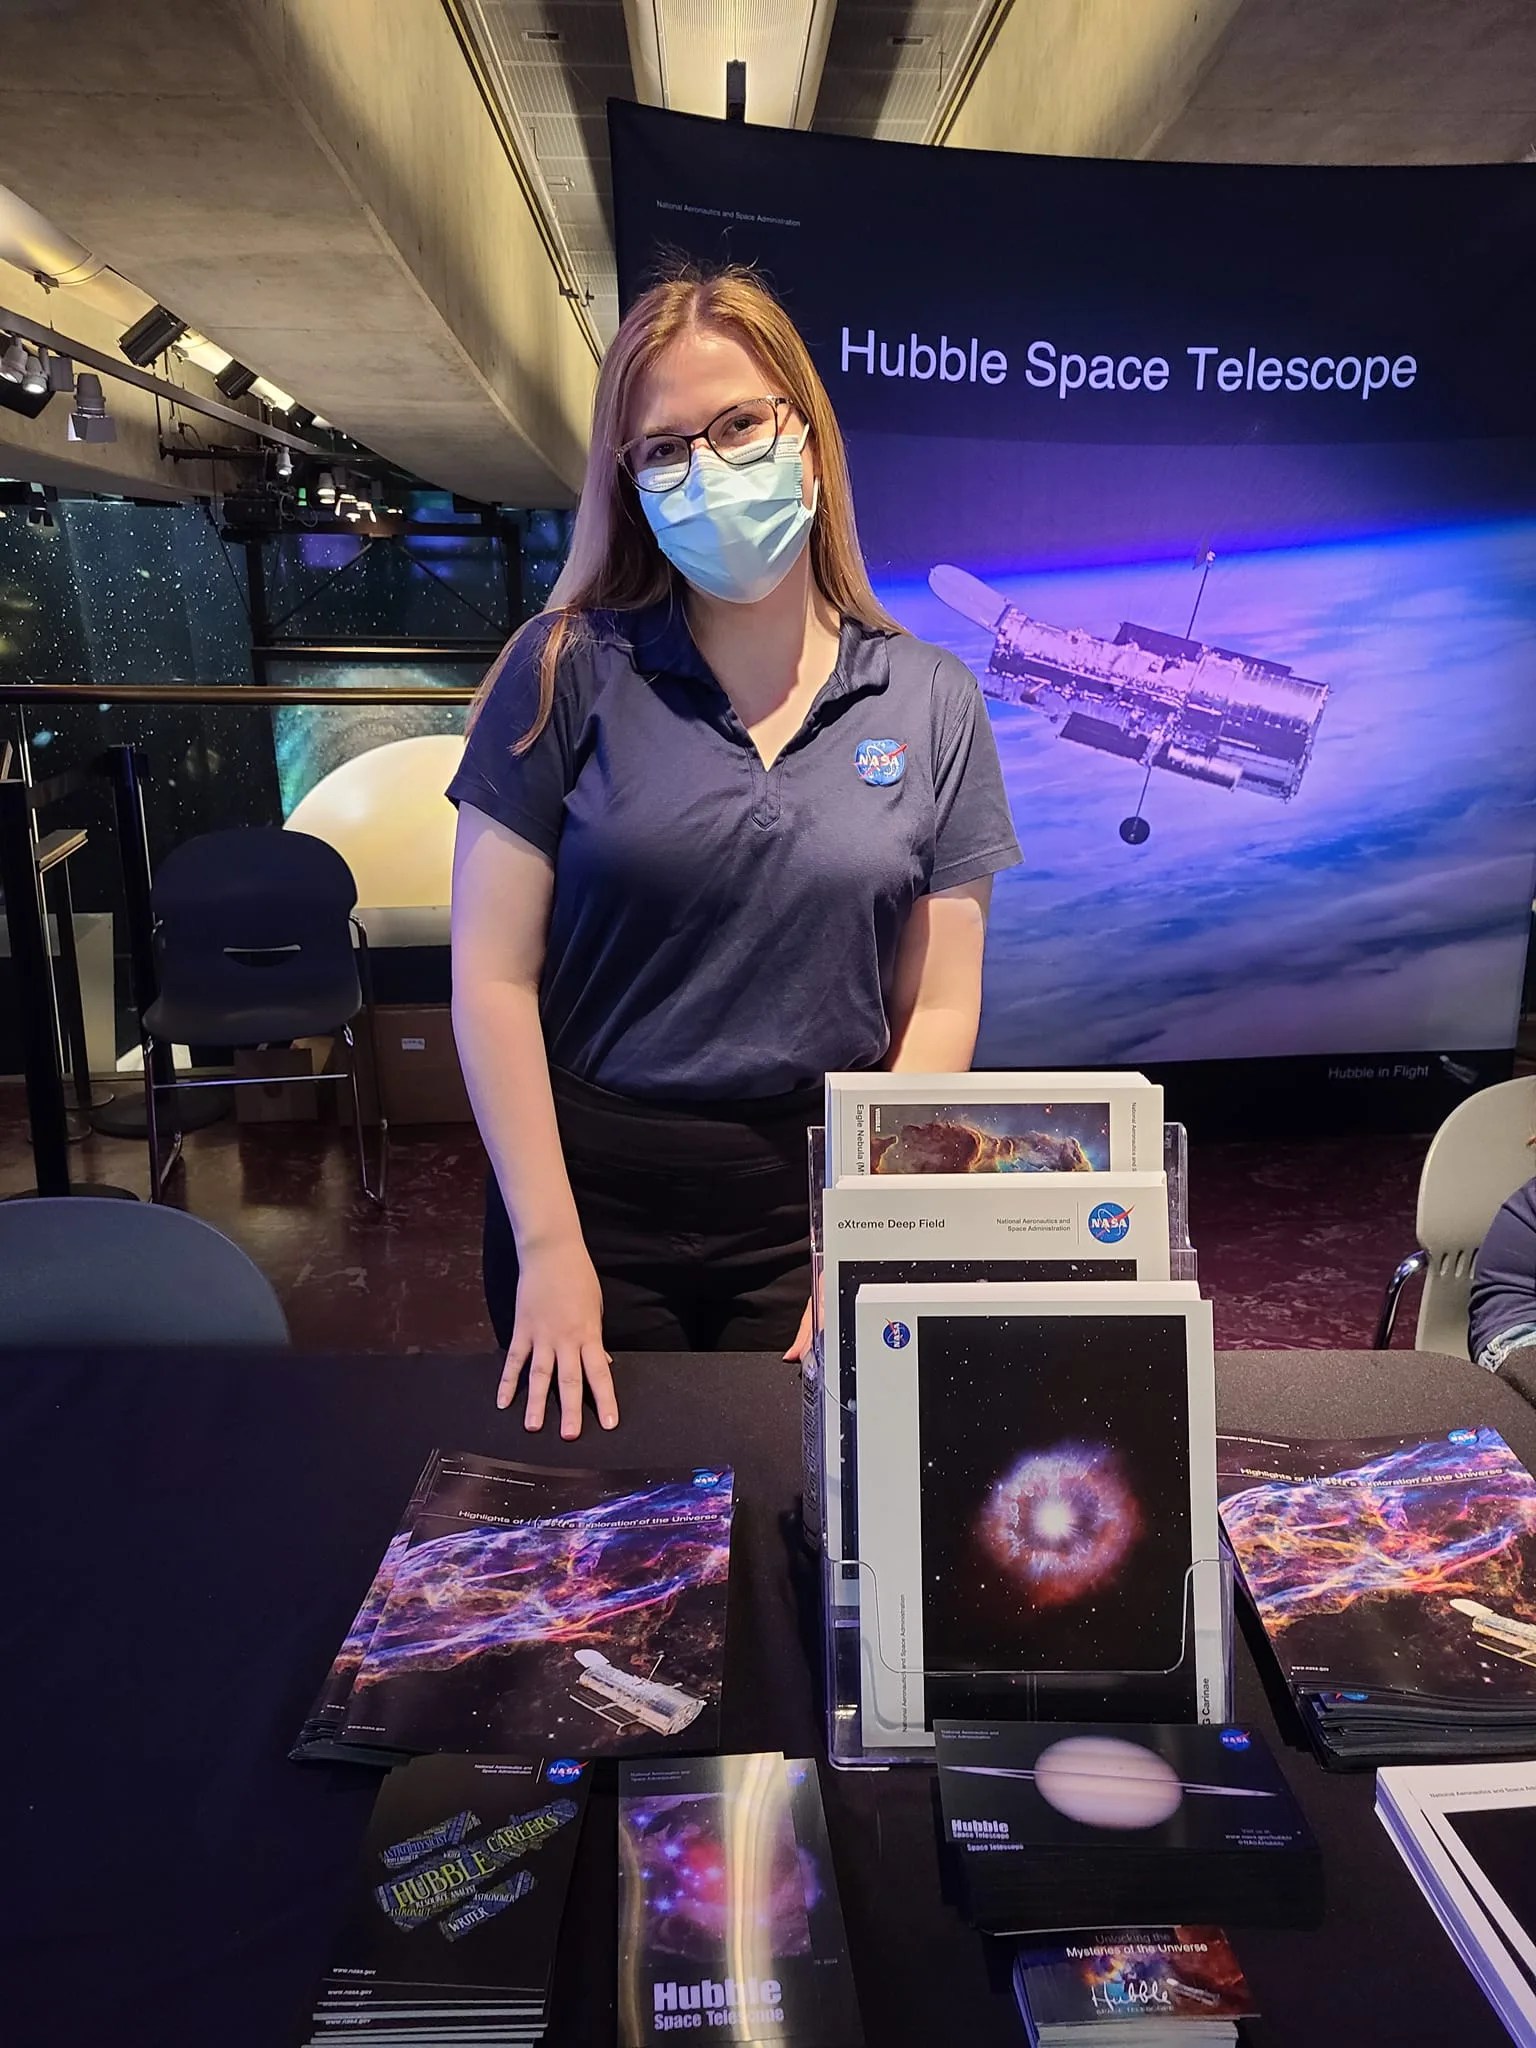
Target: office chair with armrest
1475,1162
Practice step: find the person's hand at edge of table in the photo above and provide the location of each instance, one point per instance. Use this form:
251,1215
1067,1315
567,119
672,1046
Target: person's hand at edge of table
799,1350
558,1336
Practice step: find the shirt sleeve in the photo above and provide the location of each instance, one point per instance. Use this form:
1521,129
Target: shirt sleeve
526,792
1504,1278
973,826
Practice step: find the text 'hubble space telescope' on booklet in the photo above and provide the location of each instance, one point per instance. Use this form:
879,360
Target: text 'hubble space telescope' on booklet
454,1920
519,1607
1037,1505
729,1921
883,1123
1396,1581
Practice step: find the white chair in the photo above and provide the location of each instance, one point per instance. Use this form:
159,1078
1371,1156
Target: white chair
1476,1160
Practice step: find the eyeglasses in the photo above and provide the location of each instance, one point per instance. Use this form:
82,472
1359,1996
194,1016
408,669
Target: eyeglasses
744,433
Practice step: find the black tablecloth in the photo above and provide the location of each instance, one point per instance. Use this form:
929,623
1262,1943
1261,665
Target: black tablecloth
189,1539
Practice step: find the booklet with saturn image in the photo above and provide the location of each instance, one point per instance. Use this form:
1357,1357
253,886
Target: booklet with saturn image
992,1123
1037,1505
1009,1227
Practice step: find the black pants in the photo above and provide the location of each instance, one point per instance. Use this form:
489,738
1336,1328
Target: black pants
696,1219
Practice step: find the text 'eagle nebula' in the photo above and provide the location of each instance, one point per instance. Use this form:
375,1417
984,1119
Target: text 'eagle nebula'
1063,1521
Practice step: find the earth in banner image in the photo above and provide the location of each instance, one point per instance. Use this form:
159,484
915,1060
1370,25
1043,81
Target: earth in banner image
1266,726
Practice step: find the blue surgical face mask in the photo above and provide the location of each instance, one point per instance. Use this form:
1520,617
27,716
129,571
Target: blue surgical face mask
734,533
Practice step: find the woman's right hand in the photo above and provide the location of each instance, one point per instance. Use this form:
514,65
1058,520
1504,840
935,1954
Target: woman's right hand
558,1335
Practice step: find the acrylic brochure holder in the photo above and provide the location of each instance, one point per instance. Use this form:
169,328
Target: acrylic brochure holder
876,1699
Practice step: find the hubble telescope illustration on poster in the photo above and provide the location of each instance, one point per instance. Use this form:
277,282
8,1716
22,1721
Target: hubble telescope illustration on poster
1209,714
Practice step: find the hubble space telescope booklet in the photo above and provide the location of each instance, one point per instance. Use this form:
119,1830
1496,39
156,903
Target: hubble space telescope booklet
992,1123
455,1914
1056,1825
567,1610
1037,1505
1045,1227
729,1920
1135,1987
1396,1581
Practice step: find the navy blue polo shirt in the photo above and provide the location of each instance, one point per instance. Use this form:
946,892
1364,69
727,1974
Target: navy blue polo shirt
721,930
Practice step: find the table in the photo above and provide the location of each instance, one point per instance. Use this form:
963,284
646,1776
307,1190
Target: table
188,1540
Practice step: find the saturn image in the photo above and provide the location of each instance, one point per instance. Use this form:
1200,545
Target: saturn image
1103,1781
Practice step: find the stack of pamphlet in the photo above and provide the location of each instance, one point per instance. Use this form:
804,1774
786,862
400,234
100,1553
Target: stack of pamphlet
452,1929
1468,1834
729,1921
1396,1581
1037,1505
1062,1826
522,1606
1134,1987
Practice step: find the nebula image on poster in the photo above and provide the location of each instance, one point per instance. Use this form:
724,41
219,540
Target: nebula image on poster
979,1137
1055,1493
1062,1521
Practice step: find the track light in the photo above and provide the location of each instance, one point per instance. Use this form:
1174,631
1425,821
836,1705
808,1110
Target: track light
284,463
300,418
151,336
325,487
90,420
234,380
61,372
13,362
36,378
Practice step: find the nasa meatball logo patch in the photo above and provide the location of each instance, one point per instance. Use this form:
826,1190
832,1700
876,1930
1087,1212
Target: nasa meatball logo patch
897,1335
880,762
1108,1223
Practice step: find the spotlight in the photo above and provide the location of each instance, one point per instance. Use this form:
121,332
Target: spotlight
234,380
90,420
301,418
325,487
36,378
736,89
151,336
61,372
40,517
284,462
13,362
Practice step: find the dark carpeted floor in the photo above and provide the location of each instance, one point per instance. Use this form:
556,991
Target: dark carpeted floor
1296,1240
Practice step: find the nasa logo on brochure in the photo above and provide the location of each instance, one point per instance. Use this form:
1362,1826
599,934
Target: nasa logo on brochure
897,1335
881,762
1108,1223
1462,1436
705,1478
1236,1738
564,1771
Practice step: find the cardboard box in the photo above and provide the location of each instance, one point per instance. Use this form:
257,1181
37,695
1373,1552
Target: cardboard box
280,1101
418,1067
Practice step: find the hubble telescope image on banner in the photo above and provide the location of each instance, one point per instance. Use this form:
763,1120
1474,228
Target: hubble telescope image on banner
1209,714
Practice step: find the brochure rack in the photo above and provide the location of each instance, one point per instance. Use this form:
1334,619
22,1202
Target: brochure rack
855,1632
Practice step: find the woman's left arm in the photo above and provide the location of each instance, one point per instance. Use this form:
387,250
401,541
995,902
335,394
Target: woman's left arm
936,996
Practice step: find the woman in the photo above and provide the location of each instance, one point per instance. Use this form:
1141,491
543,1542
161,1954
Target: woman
723,827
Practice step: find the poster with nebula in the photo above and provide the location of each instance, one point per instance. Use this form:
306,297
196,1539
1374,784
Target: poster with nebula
1036,1485
990,1137
1393,1563
531,1610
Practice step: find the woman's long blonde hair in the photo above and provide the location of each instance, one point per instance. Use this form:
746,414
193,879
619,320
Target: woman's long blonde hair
614,563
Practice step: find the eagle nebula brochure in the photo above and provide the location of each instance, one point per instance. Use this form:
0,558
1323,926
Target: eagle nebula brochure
729,1921
879,1123
529,1608
1037,1504
1045,1227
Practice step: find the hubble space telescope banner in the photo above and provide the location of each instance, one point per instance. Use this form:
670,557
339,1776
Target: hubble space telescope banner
1223,481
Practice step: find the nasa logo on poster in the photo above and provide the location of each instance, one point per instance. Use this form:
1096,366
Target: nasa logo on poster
1462,1436
564,1771
1108,1223
897,1335
1236,1738
881,762
706,1478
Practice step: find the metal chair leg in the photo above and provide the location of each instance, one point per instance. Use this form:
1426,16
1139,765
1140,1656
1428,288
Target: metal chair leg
1387,1321
377,1195
160,1170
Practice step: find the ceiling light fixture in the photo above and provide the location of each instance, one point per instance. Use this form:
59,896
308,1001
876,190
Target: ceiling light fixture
61,372
13,362
90,420
151,336
325,487
285,463
234,380
35,379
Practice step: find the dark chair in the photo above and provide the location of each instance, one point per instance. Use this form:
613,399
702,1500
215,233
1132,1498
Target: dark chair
256,944
83,1270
